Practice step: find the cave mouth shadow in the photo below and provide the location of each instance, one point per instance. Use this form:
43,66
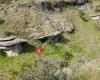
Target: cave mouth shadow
54,39
28,48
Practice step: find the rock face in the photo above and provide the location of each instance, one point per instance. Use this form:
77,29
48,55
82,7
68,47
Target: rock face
44,5
12,46
30,23
96,17
53,24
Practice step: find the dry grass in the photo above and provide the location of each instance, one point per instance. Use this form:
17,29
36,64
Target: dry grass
89,70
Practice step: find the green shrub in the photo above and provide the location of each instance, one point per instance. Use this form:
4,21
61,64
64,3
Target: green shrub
43,70
5,1
97,9
2,21
83,16
2,52
68,56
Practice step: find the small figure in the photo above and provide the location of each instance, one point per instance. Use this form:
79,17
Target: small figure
39,51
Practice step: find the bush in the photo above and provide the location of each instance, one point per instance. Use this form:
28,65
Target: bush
5,1
83,16
49,69
68,56
2,52
97,9
2,21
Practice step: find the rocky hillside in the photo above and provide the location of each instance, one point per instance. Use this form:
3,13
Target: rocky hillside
35,18
76,56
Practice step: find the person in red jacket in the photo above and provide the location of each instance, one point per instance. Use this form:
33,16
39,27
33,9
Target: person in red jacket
39,51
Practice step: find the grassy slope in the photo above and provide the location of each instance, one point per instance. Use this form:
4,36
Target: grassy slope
89,37
86,41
